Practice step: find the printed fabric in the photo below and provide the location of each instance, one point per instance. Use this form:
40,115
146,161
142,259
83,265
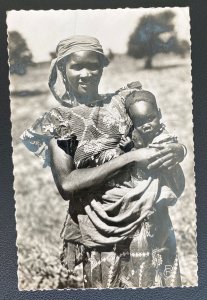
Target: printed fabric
92,129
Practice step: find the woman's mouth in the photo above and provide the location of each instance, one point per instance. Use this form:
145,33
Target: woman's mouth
86,84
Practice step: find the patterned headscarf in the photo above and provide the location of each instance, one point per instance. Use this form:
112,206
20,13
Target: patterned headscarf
65,48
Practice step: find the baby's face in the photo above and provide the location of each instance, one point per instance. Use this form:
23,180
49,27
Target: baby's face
145,118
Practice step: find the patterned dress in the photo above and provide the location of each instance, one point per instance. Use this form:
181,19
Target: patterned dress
121,232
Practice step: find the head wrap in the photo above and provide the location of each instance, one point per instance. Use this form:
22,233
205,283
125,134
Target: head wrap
65,48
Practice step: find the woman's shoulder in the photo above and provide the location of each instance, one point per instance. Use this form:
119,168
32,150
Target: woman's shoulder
120,95
135,85
51,124
59,111
106,98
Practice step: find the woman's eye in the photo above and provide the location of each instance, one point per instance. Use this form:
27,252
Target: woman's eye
90,67
76,67
93,67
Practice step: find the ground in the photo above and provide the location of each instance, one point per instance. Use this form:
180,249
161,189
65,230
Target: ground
40,211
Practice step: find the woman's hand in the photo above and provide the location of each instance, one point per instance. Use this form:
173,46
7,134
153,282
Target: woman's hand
144,156
168,156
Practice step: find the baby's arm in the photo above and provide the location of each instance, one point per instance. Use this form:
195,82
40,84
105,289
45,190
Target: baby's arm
125,145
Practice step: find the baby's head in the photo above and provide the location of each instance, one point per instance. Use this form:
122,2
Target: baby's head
144,113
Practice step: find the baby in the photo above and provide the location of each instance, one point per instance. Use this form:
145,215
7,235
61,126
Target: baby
148,128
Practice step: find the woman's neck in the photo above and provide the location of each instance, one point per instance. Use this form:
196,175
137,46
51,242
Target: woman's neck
87,100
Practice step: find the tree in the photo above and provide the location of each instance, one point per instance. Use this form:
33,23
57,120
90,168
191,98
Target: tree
149,38
20,57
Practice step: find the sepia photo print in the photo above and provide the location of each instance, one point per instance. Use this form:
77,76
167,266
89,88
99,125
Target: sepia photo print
103,154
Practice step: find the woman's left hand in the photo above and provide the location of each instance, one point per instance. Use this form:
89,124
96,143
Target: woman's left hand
168,156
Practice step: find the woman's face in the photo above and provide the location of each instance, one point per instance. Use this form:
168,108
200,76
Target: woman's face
83,73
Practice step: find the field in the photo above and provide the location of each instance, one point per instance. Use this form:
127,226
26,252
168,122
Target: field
40,211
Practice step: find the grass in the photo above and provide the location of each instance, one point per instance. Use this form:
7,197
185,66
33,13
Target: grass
40,211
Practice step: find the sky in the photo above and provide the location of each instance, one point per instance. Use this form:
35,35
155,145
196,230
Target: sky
44,29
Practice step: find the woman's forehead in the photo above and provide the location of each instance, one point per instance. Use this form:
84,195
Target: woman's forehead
85,56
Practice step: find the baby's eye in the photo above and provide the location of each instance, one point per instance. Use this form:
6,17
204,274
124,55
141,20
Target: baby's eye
138,123
150,119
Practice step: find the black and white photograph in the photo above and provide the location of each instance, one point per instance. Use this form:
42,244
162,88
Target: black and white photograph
103,152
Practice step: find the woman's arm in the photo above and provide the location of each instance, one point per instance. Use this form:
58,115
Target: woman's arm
70,181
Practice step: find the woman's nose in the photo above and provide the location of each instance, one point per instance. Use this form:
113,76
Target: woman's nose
85,73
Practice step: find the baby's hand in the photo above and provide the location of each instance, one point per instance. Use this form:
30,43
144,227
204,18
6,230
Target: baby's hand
126,144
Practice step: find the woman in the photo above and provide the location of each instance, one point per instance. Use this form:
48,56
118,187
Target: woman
74,80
